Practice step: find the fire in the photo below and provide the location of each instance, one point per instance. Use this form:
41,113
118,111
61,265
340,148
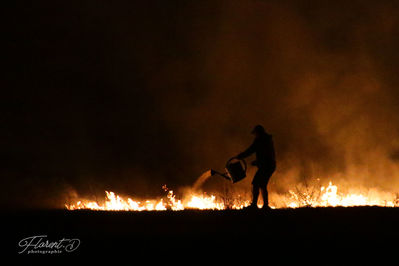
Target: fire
115,202
203,203
328,196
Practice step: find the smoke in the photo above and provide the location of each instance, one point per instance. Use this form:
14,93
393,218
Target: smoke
318,77
131,96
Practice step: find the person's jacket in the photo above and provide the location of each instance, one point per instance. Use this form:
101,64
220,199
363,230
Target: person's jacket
264,149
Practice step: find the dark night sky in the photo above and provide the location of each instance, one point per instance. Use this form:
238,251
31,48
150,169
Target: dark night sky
130,95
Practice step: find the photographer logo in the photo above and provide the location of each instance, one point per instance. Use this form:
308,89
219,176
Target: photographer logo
40,244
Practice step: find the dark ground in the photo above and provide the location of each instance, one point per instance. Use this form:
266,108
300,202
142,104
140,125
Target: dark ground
299,235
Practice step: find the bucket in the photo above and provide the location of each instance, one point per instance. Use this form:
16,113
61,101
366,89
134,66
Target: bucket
236,169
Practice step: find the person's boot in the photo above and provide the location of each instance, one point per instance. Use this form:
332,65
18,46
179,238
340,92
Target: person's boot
251,207
266,208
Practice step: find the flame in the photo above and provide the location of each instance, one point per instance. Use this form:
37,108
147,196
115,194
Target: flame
329,197
325,197
115,202
203,203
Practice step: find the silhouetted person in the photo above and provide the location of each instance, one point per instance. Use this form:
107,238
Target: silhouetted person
265,161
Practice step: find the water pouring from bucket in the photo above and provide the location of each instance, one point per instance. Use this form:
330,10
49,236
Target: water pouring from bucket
235,171
201,180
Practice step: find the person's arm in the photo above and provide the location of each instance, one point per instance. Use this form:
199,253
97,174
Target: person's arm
251,149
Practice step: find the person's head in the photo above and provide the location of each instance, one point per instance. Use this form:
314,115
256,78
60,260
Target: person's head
258,130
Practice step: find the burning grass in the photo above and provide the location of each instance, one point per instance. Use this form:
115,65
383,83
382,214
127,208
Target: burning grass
191,200
303,195
330,196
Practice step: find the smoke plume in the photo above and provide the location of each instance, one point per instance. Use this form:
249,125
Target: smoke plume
131,96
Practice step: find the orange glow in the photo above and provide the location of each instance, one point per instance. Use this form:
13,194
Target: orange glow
326,197
330,197
115,202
